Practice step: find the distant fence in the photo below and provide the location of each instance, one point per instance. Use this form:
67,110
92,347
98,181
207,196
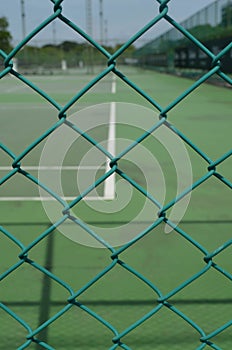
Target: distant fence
212,26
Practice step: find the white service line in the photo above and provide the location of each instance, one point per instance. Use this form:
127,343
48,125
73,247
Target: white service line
109,184
47,199
15,88
49,167
113,86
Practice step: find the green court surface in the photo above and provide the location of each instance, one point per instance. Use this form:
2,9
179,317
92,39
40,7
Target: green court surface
167,260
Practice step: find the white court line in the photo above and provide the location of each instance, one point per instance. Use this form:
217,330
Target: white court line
15,88
113,86
15,106
66,167
46,198
109,184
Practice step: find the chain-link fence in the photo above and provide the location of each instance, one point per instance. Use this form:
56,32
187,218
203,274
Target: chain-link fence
107,328
210,25
213,21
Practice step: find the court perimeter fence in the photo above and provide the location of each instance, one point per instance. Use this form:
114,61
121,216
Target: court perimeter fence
211,22
161,301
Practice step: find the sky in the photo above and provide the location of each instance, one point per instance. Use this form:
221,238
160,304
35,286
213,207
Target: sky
122,18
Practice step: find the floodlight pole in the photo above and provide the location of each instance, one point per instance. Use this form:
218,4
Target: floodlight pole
23,16
89,29
101,18
106,32
54,32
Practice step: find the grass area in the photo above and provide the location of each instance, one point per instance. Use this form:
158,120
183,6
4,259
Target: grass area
168,261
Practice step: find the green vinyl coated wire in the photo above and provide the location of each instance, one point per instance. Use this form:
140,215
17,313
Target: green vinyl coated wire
115,254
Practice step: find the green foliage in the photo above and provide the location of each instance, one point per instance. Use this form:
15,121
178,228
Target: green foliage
227,16
207,32
50,55
5,36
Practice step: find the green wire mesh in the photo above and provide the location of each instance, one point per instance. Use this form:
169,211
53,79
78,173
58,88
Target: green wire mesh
162,300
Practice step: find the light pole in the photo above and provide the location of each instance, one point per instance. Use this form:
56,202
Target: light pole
23,16
101,19
89,29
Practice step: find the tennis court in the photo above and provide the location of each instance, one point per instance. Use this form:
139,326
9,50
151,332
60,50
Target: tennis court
166,260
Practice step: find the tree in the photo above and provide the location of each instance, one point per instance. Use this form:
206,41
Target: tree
5,36
227,16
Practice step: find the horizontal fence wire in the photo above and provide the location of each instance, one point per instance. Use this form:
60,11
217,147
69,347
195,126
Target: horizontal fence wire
38,336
